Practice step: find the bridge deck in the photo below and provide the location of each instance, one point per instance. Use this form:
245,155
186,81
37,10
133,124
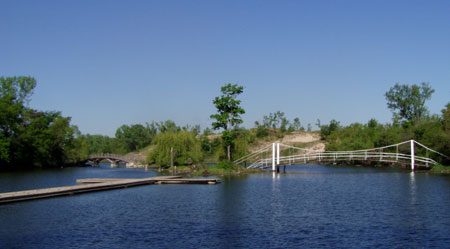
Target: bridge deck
95,185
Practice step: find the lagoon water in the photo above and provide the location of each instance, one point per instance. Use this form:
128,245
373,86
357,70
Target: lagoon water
310,206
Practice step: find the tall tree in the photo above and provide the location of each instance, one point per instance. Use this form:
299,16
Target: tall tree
228,113
297,124
408,102
14,95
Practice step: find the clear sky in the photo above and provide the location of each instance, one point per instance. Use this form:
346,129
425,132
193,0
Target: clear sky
108,63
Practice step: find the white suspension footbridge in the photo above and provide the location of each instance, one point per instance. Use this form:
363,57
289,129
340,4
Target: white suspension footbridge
409,152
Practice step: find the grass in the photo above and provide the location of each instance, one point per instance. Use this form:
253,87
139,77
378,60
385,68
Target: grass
441,168
217,170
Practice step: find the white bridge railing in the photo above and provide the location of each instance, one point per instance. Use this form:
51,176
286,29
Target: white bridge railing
261,158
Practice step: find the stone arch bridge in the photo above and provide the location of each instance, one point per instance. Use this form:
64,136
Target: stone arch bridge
114,159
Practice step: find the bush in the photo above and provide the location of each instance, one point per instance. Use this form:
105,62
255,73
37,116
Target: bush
226,165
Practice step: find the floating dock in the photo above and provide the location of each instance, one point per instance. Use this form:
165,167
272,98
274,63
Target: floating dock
97,184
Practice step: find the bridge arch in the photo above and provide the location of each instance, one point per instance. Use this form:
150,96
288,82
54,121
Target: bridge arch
114,159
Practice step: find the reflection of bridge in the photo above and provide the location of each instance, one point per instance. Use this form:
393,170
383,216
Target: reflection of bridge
114,159
402,153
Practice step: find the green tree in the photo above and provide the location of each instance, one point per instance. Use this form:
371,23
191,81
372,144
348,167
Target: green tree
14,95
408,102
187,150
167,126
134,137
228,114
45,139
298,124
284,124
326,130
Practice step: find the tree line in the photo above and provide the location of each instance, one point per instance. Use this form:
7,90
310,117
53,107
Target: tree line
35,139
28,137
410,120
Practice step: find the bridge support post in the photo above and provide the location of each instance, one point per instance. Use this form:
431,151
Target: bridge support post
273,156
278,153
114,164
412,155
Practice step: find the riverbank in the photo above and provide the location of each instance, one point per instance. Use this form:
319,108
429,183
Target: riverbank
440,169
213,170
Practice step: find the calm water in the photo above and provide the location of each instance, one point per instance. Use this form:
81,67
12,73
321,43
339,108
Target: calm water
308,207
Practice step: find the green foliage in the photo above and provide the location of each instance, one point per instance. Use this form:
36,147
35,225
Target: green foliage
227,166
135,137
429,131
442,168
241,140
262,131
167,126
274,119
186,148
228,107
277,120
98,144
207,131
31,138
408,102
446,117
229,113
17,90
326,130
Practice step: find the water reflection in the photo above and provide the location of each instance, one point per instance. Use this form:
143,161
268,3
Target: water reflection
308,207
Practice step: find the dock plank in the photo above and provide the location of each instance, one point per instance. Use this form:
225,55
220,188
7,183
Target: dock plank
96,184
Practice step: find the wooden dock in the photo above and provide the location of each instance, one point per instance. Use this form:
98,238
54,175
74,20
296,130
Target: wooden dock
97,184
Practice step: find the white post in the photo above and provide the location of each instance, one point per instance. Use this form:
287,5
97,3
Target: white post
278,153
412,155
273,156
396,154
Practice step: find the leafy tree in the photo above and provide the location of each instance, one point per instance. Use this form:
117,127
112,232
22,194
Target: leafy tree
31,138
228,114
284,124
45,139
408,102
167,126
297,124
134,137
14,95
273,119
187,150
326,130
373,123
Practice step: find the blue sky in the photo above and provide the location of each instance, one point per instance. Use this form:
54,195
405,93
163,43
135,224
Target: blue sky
108,63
